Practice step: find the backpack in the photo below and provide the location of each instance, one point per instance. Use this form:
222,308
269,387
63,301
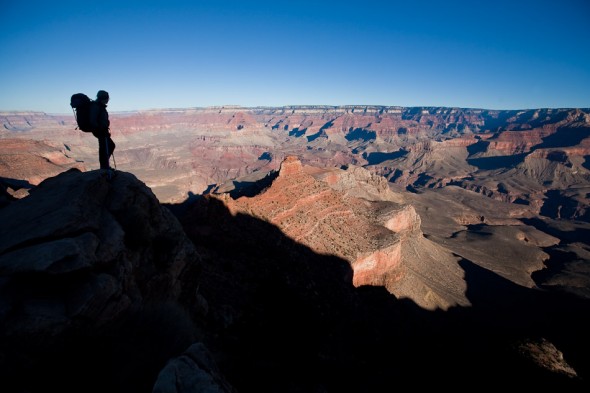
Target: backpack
81,104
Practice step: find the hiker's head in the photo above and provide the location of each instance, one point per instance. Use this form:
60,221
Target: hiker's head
102,96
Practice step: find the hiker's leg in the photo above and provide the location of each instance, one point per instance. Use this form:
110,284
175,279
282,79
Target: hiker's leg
111,147
103,156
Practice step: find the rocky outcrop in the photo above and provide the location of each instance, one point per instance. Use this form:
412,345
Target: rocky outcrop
193,371
83,257
326,211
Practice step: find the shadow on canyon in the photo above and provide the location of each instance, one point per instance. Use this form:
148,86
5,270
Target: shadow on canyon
497,162
361,134
283,318
279,317
376,158
565,137
15,183
565,230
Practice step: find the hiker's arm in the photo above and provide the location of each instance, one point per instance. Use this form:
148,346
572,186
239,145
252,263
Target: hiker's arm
103,120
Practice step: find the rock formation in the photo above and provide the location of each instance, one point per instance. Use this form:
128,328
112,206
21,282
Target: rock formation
188,150
102,290
374,242
380,239
266,286
24,161
91,270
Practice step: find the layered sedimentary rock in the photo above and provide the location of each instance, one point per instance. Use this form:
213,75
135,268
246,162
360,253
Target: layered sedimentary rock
381,239
33,161
185,151
533,162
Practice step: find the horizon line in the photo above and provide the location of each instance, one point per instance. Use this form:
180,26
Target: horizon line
300,106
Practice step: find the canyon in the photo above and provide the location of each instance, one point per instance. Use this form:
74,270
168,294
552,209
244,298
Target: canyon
448,209
477,178
538,158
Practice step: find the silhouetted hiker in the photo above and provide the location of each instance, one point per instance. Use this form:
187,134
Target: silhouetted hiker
99,118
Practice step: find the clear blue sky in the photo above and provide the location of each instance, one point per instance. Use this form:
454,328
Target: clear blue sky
177,54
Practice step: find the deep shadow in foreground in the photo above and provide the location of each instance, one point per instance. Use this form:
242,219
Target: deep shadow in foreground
276,316
285,319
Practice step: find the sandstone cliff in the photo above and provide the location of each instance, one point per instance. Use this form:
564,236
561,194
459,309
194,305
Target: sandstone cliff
381,239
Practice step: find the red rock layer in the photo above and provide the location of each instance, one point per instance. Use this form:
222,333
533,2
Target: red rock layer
332,213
